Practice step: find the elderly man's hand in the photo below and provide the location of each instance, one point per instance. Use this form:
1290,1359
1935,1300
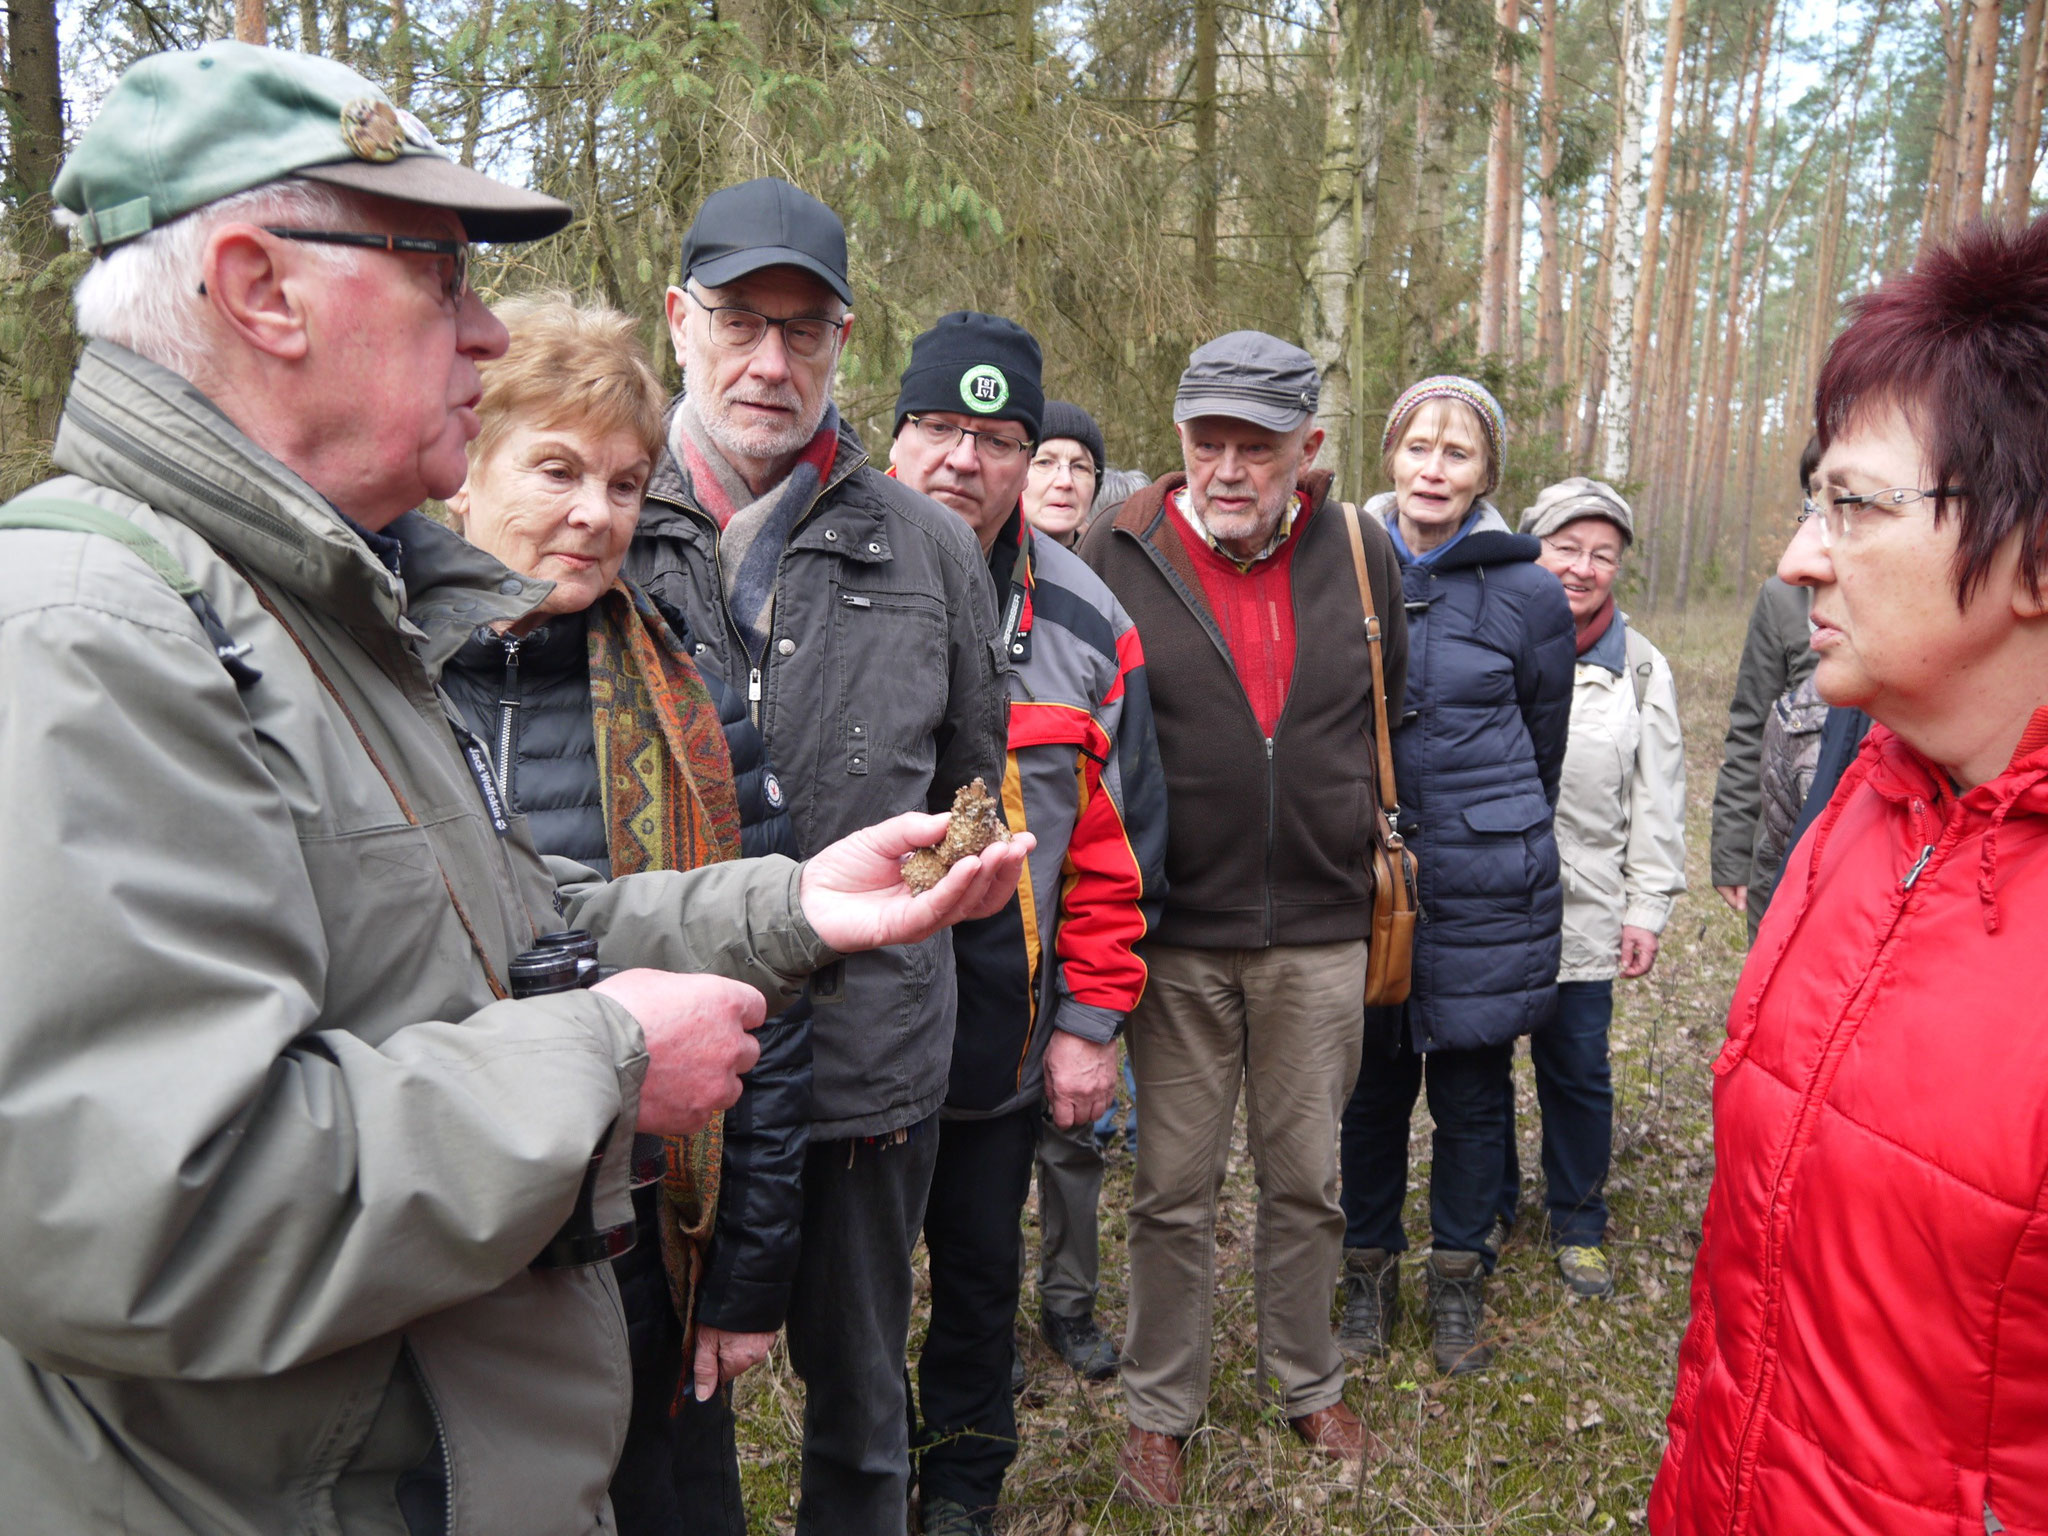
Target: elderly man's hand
1080,1079
854,896
698,1043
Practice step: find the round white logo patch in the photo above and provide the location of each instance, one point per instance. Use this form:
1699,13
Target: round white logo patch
771,791
984,388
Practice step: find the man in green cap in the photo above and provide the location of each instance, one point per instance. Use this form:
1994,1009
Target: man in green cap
309,1198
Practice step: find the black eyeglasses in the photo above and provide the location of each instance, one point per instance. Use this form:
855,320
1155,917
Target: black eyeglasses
454,282
993,446
741,330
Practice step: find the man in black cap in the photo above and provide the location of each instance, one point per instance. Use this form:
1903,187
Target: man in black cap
1045,983
1240,572
856,616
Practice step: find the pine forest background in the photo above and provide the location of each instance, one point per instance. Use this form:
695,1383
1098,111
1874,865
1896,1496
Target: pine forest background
1638,228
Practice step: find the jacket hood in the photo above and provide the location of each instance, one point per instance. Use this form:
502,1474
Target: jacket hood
143,430
1490,541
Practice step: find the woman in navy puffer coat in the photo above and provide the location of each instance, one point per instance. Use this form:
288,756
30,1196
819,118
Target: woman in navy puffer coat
1476,763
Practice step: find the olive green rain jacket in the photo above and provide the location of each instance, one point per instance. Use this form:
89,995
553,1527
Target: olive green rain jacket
276,1161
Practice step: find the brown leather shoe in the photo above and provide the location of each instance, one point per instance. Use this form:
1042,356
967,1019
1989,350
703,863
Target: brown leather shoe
1148,1469
1337,1431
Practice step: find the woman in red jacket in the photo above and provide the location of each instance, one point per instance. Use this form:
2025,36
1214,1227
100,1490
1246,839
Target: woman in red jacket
1868,1349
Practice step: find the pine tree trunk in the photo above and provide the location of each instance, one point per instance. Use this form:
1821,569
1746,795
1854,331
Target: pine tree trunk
1979,84
402,62
1722,400
1653,215
1550,275
34,89
1334,301
1500,156
1206,178
2023,120
1622,267
479,53
1511,289
1944,165
251,25
1435,130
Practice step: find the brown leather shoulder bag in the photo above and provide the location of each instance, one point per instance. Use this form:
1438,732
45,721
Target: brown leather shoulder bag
1396,897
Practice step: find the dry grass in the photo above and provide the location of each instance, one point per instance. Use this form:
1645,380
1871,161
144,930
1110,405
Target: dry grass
1564,1434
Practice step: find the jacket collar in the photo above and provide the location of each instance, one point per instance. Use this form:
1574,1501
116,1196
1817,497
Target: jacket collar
1611,649
1144,513
138,428
1489,541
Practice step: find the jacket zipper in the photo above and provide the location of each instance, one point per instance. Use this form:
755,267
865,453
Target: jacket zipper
508,721
1272,813
754,696
440,1442
1821,1080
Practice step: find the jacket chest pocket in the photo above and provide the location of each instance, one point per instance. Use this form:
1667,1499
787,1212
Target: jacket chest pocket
890,688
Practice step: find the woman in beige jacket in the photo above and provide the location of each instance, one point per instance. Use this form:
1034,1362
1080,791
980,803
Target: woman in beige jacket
1621,842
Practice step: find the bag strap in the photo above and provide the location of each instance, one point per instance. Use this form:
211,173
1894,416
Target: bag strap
1388,803
1636,657
64,514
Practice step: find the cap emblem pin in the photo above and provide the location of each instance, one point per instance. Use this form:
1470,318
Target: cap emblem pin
371,130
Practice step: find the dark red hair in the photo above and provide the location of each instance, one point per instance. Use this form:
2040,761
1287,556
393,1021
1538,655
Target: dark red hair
1960,345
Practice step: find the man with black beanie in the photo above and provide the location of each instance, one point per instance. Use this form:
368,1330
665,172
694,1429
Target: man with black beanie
1044,984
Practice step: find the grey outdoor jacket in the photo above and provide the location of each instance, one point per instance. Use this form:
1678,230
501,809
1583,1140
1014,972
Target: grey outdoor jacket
1776,658
879,692
277,1161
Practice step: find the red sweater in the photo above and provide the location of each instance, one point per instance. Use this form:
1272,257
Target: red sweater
1255,610
1868,1352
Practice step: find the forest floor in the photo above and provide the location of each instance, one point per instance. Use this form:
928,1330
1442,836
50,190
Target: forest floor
1562,1435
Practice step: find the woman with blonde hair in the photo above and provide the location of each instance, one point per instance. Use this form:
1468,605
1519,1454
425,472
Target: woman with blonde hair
624,757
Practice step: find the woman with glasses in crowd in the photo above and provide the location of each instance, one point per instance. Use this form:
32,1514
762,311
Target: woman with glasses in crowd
1621,846
623,757
1476,761
1868,1351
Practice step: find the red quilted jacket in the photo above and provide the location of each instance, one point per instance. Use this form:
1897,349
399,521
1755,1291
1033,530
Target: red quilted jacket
1868,1351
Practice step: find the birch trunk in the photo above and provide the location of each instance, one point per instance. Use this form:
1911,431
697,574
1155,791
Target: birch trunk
1653,215
1550,274
1626,192
1205,151
1511,289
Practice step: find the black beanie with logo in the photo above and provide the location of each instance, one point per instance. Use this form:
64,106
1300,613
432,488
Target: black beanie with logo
975,365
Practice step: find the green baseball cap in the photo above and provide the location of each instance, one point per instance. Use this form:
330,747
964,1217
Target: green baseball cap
180,130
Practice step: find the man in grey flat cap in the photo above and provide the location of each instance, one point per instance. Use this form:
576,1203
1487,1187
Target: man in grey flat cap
1257,965
310,1195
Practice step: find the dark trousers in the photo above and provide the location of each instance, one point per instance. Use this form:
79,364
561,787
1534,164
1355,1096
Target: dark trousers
1465,1153
969,1435
1576,1094
672,1461
849,1325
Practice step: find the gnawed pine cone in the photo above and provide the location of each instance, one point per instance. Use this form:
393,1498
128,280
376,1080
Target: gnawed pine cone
977,821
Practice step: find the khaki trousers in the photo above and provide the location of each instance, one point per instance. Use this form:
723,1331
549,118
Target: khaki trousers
1287,1021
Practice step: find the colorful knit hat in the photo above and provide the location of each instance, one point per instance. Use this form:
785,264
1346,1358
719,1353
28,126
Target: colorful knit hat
1493,420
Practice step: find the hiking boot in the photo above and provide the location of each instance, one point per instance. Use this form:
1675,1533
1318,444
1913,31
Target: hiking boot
1585,1270
949,1517
1371,1289
1457,1306
1148,1469
1080,1343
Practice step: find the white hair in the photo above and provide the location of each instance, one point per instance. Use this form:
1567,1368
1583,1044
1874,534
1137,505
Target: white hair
144,295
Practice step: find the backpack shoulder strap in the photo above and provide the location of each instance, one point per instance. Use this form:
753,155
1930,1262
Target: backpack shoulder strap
1637,652
65,514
